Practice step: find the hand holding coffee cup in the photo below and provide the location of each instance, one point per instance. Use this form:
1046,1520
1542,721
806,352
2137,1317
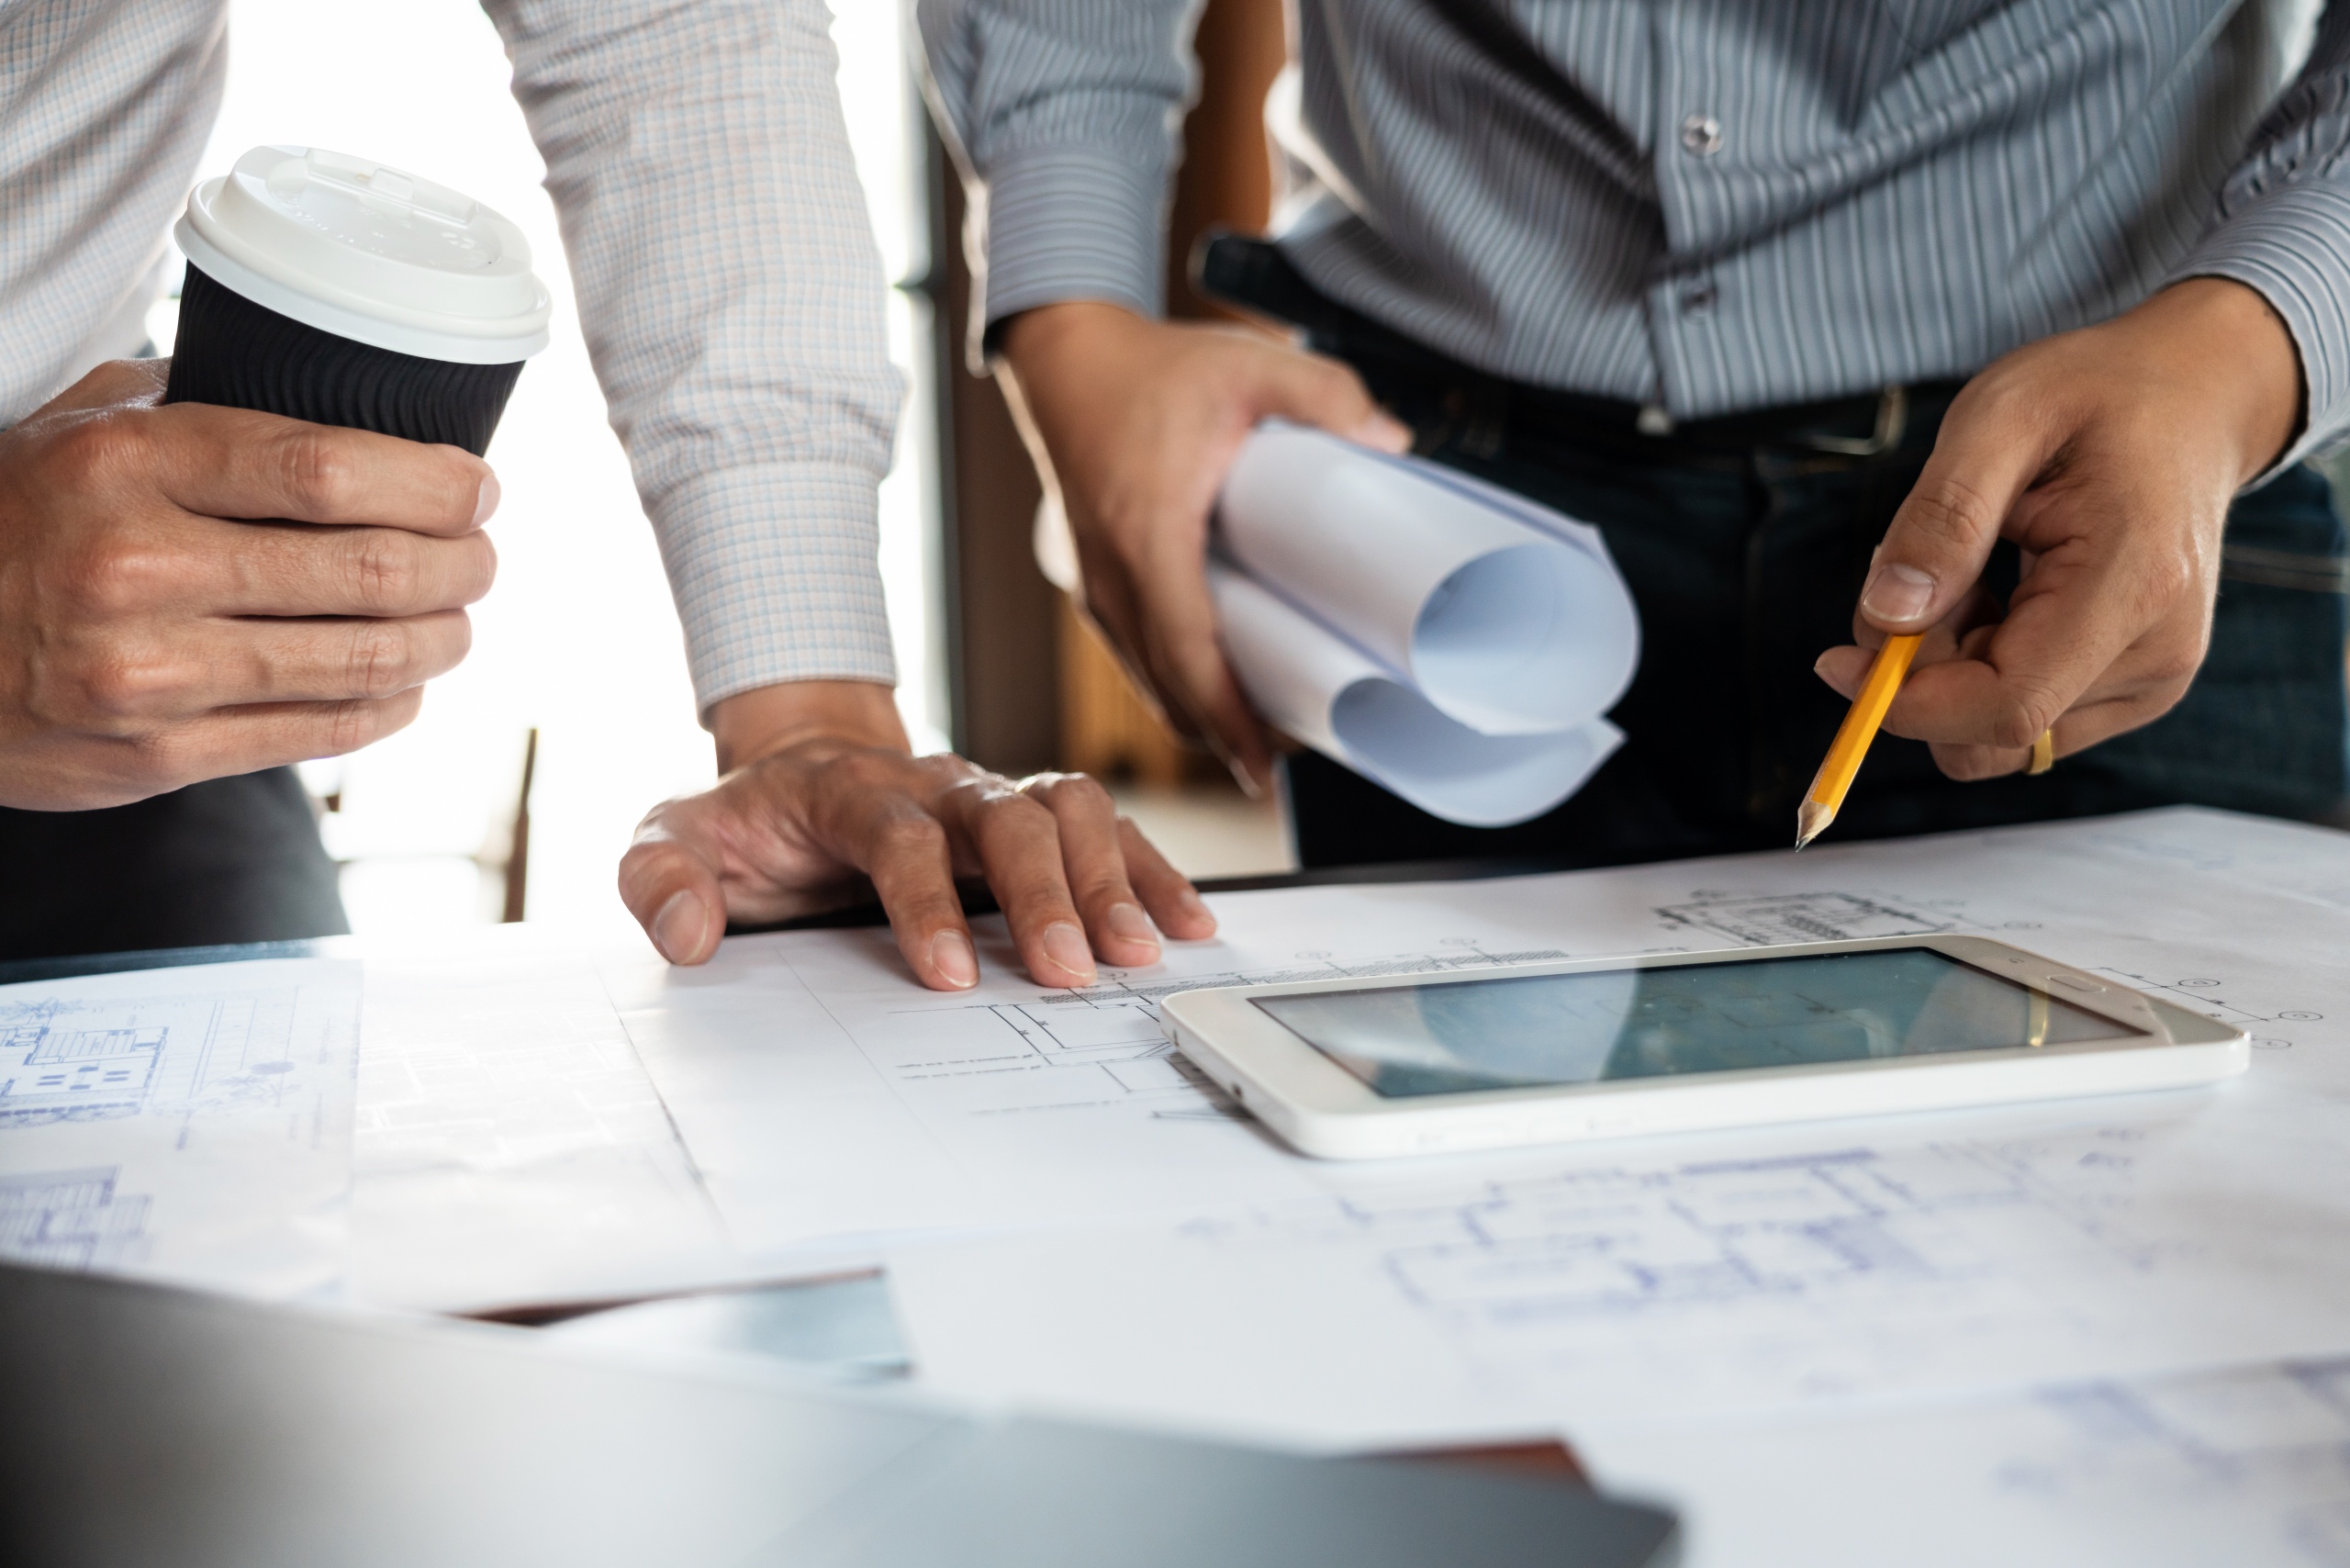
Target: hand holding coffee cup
263,559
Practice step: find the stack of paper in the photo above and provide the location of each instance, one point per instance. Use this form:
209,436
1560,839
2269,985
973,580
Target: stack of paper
1453,641
2093,1331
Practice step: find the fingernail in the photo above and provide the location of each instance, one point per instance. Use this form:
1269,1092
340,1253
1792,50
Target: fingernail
485,502
676,930
1128,924
1065,945
951,956
1897,592
1386,433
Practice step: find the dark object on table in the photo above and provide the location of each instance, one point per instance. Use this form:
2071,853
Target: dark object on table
148,1426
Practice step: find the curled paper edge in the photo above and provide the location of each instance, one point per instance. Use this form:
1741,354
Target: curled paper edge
1370,545
1314,686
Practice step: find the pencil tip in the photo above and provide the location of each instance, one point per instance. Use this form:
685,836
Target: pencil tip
1811,821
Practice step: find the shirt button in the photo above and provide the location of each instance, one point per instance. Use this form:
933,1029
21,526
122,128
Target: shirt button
1697,299
1702,134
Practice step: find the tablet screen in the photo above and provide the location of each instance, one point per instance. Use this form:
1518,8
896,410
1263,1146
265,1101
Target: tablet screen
1579,1028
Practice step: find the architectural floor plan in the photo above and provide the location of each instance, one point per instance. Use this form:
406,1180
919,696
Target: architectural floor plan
508,1147
72,1219
2240,1463
1775,1269
193,1123
2110,1316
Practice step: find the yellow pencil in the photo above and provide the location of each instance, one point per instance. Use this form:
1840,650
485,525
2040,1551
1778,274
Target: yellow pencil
1826,797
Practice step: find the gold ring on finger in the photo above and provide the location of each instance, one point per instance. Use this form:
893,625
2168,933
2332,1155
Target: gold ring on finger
2043,754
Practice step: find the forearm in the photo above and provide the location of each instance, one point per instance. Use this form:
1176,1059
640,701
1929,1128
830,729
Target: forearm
2227,339
1051,358
1035,339
731,298
2282,229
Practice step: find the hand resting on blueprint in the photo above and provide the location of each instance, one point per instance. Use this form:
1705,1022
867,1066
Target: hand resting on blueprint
2110,457
1135,422
190,592
819,787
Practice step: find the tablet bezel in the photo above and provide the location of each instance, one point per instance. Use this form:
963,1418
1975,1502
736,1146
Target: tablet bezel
1320,1107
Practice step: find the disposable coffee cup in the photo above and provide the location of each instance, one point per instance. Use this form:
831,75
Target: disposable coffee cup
330,288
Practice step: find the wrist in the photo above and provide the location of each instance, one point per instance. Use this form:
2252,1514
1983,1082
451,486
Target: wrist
769,719
1035,339
2225,335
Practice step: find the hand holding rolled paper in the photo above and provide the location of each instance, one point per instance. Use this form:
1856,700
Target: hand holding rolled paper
1449,640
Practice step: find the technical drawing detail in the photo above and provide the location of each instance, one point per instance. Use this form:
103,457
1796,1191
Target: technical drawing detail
1108,1035
1783,918
182,1056
70,1219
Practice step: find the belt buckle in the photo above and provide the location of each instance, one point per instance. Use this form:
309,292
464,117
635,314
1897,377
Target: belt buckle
1892,423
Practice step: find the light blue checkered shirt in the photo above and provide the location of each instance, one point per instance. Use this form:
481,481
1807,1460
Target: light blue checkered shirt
725,268
1733,204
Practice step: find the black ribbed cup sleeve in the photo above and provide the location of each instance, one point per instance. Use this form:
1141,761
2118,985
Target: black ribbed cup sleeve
243,355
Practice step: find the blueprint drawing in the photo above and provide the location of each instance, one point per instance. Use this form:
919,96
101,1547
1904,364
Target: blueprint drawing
2239,1463
1800,917
509,1148
1772,1270
1100,1036
193,1123
1728,1275
185,1055
823,1095
72,1219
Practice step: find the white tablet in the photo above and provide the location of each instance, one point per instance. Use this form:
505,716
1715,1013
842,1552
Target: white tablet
1540,1053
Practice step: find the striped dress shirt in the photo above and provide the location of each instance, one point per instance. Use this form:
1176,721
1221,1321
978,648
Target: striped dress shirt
1709,206
727,277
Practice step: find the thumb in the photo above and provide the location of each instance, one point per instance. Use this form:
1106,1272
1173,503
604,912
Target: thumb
1935,549
675,895
1312,390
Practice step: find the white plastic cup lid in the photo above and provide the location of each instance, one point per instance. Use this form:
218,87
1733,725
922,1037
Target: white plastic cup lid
370,254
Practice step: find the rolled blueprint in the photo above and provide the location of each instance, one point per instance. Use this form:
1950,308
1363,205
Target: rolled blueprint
1312,683
1506,616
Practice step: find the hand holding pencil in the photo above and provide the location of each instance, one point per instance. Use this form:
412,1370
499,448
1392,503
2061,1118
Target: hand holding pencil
1837,770
2110,457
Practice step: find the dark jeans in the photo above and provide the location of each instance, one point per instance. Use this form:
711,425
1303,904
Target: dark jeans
1745,544
228,860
